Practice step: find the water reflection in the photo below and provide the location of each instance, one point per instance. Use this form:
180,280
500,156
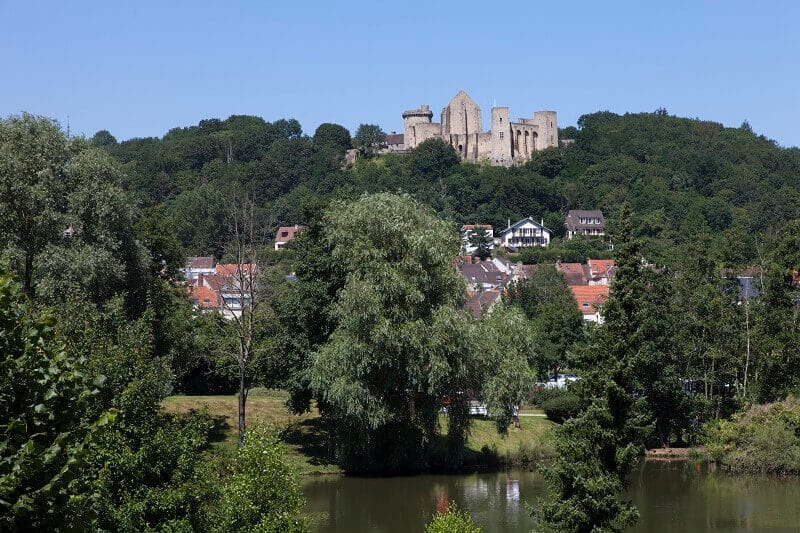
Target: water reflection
671,496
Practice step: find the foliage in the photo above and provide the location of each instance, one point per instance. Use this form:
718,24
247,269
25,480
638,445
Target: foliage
597,448
432,160
482,240
561,408
557,325
368,138
452,520
66,223
262,493
763,439
502,346
47,426
398,344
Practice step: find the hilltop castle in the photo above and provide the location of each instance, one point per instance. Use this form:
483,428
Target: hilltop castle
461,126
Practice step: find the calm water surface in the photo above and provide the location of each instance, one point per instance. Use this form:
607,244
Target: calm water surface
671,496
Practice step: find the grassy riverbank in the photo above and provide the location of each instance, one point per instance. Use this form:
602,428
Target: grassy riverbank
305,437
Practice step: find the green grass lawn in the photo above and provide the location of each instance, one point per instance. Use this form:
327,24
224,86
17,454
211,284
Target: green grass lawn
306,439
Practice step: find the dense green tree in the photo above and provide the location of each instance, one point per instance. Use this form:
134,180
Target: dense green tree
47,425
333,136
432,160
398,345
596,450
556,323
368,138
262,493
483,242
68,224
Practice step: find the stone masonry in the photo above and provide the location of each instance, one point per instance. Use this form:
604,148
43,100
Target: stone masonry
506,143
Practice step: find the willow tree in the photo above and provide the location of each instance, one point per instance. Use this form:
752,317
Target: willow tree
399,345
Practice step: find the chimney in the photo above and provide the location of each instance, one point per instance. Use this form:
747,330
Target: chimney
509,222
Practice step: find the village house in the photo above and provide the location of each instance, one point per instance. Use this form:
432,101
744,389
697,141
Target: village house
590,300
197,266
285,235
525,233
225,288
581,222
467,232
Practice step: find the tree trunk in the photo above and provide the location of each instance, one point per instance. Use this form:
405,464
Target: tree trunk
27,275
242,403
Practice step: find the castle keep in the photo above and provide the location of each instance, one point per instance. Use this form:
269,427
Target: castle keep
461,126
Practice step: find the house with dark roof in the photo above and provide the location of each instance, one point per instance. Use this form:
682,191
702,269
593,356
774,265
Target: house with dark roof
588,223
483,275
525,233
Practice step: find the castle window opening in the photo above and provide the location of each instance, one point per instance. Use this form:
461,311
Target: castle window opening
501,135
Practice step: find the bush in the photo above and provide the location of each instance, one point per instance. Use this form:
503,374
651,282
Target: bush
452,520
263,492
562,408
540,395
763,439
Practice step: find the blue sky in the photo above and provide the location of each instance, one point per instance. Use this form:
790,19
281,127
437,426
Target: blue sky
141,68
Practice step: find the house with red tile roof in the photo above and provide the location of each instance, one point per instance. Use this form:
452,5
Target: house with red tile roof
601,271
590,300
285,235
219,288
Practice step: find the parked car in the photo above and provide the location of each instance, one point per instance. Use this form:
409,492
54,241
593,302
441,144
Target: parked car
560,381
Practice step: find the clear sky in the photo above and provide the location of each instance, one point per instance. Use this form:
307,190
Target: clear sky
142,67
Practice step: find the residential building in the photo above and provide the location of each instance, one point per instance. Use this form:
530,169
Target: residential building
588,223
483,275
196,266
601,271
590,300
525,233
467,232
285,235
575,273
225,288
481,303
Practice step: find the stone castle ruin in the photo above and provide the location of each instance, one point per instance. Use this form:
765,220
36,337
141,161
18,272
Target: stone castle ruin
506,143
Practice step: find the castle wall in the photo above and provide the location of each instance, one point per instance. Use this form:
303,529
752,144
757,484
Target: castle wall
423,132
524,138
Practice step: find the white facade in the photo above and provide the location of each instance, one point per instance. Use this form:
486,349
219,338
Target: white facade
467,231
525,233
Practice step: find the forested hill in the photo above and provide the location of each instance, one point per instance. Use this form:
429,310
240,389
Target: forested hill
688,182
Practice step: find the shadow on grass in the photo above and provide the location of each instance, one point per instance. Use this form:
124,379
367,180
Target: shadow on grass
310,438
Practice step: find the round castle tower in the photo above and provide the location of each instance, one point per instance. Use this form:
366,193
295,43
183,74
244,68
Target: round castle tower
411,120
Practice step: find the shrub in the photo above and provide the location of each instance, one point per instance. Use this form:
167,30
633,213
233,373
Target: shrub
263,492
452,520
764,439
561,408
541,394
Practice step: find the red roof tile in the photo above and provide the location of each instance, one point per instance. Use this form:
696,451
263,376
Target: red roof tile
589,297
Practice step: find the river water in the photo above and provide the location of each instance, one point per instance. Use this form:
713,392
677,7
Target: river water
671,496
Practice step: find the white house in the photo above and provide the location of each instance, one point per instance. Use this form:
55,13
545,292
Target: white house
527,232
198,266
468,230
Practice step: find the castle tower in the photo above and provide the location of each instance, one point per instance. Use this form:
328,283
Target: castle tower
462,116
547,121
502,152
416,126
